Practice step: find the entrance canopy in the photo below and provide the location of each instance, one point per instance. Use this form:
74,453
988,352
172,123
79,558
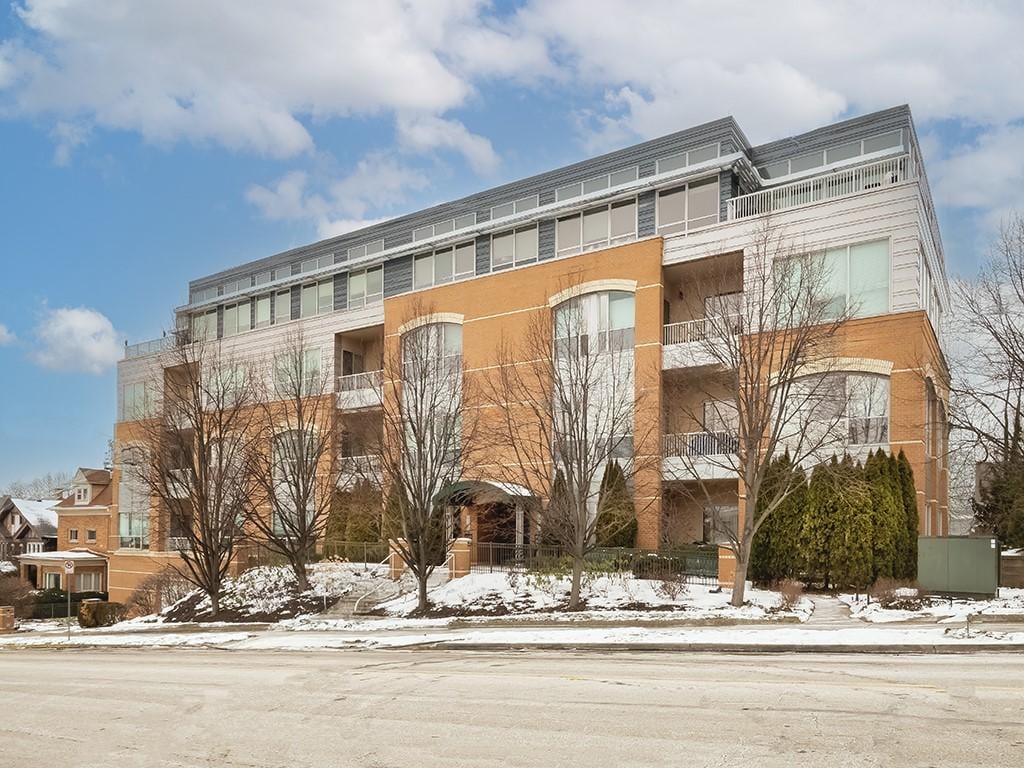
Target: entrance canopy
477,492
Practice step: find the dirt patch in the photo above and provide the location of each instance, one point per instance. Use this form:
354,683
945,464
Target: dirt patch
195,608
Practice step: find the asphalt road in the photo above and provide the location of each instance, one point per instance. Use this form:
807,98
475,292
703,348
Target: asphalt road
160,708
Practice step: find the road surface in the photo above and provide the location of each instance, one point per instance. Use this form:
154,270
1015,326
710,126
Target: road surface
160,708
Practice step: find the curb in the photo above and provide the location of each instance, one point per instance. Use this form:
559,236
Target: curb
739,648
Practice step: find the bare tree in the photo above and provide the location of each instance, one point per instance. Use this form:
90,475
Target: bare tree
562,405
192,458
45,486
292,463
426,442
770,350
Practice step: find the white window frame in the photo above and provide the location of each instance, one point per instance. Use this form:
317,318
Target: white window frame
670,160
527,203
73,535
94,579
268,301
597,245
82,494
365,299
205,322
445,227
517,259
598,183
137,400
659,225
236,310
51,579
315,263
286,294
788,162
456,274
90,535
367,249
319,308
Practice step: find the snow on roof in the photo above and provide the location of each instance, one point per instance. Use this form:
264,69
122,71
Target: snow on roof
37,512
71,554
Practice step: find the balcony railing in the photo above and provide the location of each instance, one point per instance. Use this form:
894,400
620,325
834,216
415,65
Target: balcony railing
352,469
133,542
178,544
700,329
352,382
842,183
164,343
690,444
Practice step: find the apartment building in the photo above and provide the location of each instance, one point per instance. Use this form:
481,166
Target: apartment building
635,229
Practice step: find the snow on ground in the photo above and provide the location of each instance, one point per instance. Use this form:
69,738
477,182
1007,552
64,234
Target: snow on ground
526,596
1009,603
7,567
269,593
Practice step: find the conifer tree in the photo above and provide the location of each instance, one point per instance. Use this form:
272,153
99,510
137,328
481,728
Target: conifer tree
819,523
851,553
909,495
888,517
776,554
616,517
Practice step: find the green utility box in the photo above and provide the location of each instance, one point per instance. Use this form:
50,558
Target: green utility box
958,565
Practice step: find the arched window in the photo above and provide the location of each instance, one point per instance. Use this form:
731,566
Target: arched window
431,348
855,405
594,323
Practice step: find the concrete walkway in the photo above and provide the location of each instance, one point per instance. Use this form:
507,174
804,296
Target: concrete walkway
830,612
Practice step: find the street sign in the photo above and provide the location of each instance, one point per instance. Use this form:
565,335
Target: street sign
69,566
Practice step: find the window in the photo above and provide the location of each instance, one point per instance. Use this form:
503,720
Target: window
203,294
51,580
692,157
376,246
721,416
292,465
285,373
82,494
720,522
282,307
137,401
311,265
133,501
262,278
433,342
516,206
854,278
444,265
317,298
365,287
594,323
851,407
72,534
596,228
845,151
90,535
89,581
688,207
262,311
234,287
596,184
514,247
237,318
204,326
444,227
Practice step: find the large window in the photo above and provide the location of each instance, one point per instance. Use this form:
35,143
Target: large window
444,265
90,581
365,287
598,183
292,451
429,347
237,318
853,406
133,500
692,157
514,247
596,228
310,265
594,323
853,278
262,311
444,227
204,326
846,151
317,298
138,401
285,373
688,207
516,206
375,246
282,307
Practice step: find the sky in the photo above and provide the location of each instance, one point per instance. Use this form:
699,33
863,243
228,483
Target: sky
146,144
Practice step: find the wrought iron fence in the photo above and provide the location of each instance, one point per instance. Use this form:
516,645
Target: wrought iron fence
371,552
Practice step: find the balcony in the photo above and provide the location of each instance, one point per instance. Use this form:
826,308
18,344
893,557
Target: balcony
178,544
355,469
133,542
360,390
831,186
685,344
699,455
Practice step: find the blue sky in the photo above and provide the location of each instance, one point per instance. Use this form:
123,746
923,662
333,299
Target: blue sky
143,146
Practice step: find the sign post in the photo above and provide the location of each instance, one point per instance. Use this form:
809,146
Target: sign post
69,571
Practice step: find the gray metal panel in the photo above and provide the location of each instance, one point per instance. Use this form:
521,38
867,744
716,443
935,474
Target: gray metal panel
296,301
220,322
831,135
397,276
546,239
645,214
725,193
341,291
398,231
648,168
483,254
547,197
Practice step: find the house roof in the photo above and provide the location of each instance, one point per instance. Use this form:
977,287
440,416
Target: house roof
40,515
95,476
84,556
101,498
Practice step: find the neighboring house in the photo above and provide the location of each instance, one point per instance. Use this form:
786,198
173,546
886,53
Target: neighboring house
637,227
83,529
27,525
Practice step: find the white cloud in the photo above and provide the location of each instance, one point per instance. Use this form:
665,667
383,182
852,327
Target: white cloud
6,336
76,339
243,75
377,183
67,137
427,132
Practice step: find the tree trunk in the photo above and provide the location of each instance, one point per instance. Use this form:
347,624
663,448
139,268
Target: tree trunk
215,603
301,576
422,606
577,577
739,581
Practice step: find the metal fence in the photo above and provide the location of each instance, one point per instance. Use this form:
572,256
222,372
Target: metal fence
697,564
355,551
